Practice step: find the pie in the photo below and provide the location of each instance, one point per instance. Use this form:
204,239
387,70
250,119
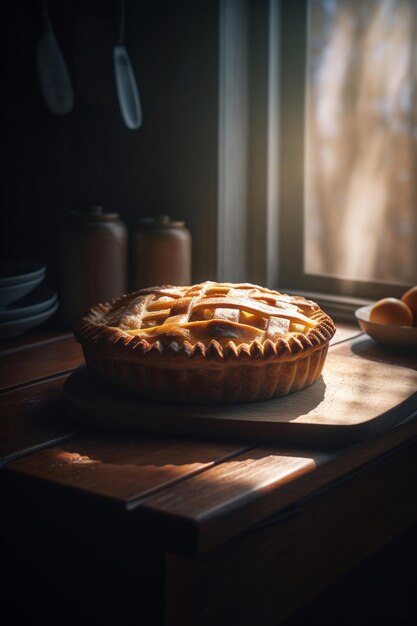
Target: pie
206,343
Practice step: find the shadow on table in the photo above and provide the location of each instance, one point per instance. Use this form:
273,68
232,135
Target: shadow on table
373,351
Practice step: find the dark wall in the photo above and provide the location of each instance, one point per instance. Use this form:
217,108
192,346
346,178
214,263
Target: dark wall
51,164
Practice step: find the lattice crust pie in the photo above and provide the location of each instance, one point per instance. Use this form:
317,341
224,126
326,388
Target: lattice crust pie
207,343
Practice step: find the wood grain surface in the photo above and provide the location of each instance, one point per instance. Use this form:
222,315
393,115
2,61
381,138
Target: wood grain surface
34,337
261,577
32,417
352,401
226,500
36,362
121,466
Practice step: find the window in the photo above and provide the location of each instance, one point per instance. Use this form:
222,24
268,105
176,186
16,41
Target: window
318,146
349,102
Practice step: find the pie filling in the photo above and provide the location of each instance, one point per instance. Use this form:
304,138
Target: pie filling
208,311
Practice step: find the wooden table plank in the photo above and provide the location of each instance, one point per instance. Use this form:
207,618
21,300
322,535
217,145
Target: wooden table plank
262,577
208,509
32,417
38,362
32,338
123,467
225,500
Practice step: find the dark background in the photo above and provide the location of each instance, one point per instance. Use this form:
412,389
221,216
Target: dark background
51,164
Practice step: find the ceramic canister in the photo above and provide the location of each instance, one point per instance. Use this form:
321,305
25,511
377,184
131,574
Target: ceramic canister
161,253
94,261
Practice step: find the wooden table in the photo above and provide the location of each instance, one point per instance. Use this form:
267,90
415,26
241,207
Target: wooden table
181,530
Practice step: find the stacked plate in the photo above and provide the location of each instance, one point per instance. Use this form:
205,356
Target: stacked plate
24,301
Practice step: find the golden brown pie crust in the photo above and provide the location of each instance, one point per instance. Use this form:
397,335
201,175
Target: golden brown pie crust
206,343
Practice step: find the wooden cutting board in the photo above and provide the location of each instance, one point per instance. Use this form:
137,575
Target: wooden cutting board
354,399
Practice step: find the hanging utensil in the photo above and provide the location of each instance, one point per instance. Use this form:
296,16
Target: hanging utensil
127,90
54,79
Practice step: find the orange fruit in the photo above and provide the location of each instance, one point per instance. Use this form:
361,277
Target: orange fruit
391,311
410,298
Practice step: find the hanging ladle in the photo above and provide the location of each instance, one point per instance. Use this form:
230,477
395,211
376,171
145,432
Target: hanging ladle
127,91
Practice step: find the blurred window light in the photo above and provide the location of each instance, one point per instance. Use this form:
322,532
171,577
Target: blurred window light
360,208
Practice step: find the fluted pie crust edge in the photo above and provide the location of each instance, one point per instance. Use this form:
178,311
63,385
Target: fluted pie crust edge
166,369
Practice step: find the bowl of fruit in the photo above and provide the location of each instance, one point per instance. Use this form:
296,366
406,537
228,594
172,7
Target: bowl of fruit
391,321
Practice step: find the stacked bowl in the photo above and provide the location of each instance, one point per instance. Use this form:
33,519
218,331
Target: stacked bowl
24,301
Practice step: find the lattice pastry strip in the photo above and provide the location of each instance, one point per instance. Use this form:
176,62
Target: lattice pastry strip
181,311
277,327
131,317
224,313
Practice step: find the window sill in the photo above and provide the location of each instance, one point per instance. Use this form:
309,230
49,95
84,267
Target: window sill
340,308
